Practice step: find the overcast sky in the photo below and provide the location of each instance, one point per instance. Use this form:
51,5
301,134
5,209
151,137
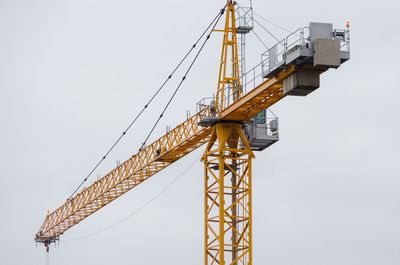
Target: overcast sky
74,73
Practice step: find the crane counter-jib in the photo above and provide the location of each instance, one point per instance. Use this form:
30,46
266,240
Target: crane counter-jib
258,99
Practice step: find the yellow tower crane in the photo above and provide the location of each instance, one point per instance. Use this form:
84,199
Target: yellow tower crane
228,128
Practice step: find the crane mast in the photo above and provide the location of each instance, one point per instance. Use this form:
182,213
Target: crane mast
227,167
228,128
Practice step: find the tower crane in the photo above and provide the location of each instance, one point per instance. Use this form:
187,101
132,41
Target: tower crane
233,125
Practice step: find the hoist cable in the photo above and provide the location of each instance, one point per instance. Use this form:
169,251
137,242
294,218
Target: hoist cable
258,37
273,23
265,19
269,32
181,82
213,22
264,28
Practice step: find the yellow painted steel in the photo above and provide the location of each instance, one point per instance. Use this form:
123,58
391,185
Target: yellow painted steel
229,87
227,196
177,143
261,97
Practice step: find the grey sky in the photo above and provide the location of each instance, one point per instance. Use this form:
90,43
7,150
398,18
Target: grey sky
74,73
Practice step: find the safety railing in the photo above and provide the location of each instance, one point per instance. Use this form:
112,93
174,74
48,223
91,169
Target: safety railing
272,124
244,17
248,81
266,121
204,103
344,37
251,78
275,57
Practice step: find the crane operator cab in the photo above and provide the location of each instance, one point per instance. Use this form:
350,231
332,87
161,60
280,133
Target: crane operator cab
262,130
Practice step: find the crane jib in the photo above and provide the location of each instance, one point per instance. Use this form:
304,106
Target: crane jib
177,143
